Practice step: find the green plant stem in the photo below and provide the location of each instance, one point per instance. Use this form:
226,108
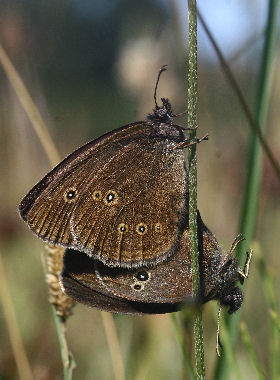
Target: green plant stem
268,280
192,123
250,203
66,358
185,353
275,318
251,351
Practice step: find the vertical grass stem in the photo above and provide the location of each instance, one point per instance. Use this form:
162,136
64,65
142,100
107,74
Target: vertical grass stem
192,123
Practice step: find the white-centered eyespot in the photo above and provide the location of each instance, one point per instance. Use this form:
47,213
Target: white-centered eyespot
111,198
141,228
70,195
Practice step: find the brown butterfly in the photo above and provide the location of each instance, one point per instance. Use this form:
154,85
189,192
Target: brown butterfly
122,198
164,288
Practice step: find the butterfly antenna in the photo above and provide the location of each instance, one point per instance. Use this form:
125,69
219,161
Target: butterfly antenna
162,69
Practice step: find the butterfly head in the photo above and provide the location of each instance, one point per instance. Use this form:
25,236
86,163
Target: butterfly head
162,114
223,280
228,292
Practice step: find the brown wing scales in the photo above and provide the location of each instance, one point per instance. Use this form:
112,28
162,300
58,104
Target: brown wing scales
151,224
112,199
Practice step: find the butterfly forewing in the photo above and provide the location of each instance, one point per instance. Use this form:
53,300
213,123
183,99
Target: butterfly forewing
107,198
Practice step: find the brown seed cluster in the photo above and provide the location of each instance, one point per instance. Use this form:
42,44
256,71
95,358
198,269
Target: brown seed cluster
62,303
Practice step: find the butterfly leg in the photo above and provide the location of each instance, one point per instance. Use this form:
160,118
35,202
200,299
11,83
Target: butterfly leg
235,243
218,343
180,128
187,143
244,273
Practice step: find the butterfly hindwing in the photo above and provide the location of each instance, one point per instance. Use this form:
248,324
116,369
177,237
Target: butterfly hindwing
168,283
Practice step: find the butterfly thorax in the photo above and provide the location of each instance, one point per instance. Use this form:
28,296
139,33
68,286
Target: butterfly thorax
161,121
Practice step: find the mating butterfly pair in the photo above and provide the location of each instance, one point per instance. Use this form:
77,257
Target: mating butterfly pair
119,205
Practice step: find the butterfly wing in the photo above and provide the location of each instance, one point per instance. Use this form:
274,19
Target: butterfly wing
121,198
93,298
163,288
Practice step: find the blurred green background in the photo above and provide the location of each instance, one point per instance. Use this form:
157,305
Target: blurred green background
90,67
